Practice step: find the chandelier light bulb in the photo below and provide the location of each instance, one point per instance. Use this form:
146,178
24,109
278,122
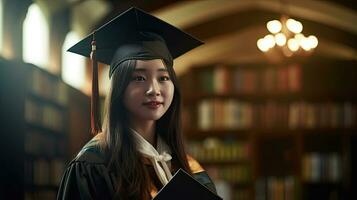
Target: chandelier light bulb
294,25
293,44
262,45
280,39
313,41
302,41
299,37
274,26
290,41
270,40
305,44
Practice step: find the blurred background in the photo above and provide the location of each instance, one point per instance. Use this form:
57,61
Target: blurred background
270,100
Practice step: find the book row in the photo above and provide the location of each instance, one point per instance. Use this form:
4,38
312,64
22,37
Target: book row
222,79
42,144
48,87
230,192
241,194
217,151
233,114
44,172
44,115
318,167
276,188
231,173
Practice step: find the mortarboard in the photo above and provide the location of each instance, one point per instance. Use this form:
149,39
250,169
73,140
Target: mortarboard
184,186
134,34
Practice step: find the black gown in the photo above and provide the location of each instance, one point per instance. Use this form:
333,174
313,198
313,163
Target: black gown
87,176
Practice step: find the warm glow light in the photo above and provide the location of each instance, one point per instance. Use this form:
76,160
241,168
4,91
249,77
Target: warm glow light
293,44
280,39
302,41
73,65
305,44
299,37
270,40
286,33
274,26
313,40
35,37
262,45
294,26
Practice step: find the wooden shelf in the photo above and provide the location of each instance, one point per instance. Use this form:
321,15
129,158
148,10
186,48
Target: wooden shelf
326,95
313,96
45,130
234,133
43,101
225,162
242,184
321,183
21,137
246,133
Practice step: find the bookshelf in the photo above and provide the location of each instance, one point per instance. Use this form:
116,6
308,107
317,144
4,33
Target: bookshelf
45,134
296,122
36,130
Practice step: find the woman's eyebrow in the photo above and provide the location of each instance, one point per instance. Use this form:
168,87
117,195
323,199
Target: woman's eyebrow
140,69
162,70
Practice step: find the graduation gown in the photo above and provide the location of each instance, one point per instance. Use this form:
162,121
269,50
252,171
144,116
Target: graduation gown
87,176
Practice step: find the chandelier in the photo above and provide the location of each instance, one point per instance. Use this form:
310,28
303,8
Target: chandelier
286,34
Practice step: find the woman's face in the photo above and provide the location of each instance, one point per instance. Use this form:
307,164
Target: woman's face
150,91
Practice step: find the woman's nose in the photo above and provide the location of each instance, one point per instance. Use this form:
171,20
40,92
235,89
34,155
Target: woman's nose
153,89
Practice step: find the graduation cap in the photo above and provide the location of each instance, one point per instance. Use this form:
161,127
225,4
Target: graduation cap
134,34
184,186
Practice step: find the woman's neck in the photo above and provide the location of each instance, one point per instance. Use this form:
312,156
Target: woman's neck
146,129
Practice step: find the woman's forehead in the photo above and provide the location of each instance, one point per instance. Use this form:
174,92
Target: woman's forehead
146,65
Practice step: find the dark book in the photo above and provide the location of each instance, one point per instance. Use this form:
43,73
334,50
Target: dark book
184,186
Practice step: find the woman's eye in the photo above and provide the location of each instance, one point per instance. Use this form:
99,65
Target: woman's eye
164,78
138,78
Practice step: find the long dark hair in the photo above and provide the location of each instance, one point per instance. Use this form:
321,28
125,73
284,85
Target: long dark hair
126,162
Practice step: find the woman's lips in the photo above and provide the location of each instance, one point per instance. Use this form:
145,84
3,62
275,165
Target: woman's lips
153,104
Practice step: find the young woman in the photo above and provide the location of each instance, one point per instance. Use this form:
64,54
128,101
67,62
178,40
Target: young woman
141,143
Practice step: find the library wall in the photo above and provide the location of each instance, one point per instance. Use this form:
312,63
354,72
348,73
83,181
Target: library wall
274,131
262,131
44,125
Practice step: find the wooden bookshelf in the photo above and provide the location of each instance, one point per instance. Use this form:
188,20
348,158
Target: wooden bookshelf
298,118
36,130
